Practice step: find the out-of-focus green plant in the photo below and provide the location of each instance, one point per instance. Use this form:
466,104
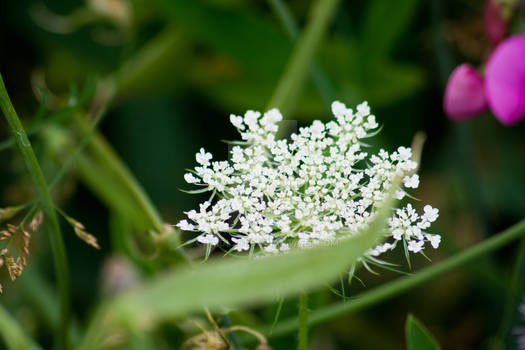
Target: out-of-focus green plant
418,337
204,58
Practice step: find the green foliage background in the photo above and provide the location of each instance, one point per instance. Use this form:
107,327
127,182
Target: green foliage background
177,72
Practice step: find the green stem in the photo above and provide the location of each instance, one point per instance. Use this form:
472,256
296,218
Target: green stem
57,244
62,115
404,284
285,16
299,65
302,323
13,335
232,336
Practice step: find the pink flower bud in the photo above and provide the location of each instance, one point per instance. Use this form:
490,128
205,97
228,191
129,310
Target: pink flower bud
505,80
495,24
465,95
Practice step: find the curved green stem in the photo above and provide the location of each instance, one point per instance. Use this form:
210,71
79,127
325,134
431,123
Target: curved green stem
403,284
303,322
57,243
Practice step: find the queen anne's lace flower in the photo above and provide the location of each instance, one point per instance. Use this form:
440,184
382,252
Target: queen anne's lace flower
320,186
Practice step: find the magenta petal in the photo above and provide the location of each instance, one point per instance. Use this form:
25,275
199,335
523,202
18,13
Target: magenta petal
505,80
465,94
495,24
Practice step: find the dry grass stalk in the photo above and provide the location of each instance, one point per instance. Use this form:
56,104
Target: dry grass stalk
217,340
36,221
9,212
19,238
81,232
206,341
13,267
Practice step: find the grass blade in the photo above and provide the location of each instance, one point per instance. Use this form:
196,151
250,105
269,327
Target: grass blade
299,64
418,337
12,333
57,243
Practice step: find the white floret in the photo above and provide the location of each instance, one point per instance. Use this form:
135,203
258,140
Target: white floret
411,181
208,239
415,246
191,179
203,157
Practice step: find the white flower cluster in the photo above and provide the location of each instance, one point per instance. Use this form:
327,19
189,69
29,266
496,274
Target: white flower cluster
317,187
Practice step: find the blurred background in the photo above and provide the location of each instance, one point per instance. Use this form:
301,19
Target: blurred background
161,78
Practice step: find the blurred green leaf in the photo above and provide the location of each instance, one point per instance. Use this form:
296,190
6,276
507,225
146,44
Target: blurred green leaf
235,282
388,81
418,337
42,298
299,65
384,23
158,66
256,44
381,83
251,53
241,281
238,94
101,170
13,335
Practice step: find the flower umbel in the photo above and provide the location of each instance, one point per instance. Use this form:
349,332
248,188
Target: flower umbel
318,187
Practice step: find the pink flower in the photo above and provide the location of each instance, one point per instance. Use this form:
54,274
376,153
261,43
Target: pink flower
495,24
464,95
505,80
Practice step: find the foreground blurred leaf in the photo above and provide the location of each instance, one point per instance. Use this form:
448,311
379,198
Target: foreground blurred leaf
418,337
233,282
240,281
403,284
